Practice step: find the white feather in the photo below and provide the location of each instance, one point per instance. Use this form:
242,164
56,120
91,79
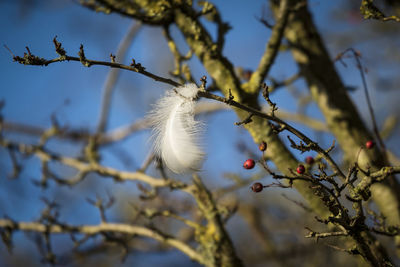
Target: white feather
175,132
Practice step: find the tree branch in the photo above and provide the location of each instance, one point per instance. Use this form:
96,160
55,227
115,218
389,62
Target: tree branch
100,229
85,168
271,50
30,59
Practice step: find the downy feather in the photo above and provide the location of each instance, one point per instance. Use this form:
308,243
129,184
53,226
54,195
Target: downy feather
175,132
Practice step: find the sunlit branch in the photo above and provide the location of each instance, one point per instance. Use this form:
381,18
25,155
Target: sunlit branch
30,59
271,50
85,168
102,228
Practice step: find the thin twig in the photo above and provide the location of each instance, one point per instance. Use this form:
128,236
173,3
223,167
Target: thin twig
30,59
360,67
314,146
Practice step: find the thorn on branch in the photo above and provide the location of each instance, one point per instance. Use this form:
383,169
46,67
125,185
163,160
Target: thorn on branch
246,120
276,129
203,81
138,66
59,49
29,58
302,147
265,94
230,97
82,57
112,58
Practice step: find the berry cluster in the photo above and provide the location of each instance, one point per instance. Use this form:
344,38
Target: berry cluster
250,163
258,187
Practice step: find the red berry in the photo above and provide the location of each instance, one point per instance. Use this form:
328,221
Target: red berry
249,164
257,187
309,160
262,146
369,144
300,169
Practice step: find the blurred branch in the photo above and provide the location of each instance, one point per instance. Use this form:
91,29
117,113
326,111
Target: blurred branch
252,215
74,135
113,75
389,126
181,71
214,239
271,50
112,136
125,131
239,183
84,168
310,122
101,229
153,13
393,158
205,108
279,84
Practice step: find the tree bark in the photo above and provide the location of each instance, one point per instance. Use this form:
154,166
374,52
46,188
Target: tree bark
342,117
